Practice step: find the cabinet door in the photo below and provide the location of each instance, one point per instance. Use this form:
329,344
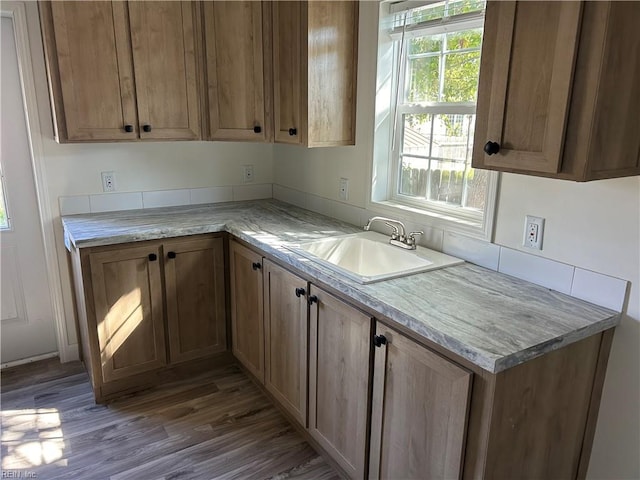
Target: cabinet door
286,339
195,293
235,70
247,308
419,412
164,58
89,58
127,294
526,74
289,23
339,353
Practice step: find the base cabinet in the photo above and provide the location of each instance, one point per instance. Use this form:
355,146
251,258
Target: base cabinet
339,352
419,411
128,337
247,309
286,331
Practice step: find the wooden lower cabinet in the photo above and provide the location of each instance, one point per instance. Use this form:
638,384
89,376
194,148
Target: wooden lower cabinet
127,297
194,281
128,338
419,411
339,358
247,309
286,330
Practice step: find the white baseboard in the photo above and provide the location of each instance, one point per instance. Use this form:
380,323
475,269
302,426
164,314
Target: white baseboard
23,361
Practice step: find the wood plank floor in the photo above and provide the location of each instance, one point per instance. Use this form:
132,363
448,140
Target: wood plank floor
215,425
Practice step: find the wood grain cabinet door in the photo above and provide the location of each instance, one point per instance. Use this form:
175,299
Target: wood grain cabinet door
289,40
247,326
235,70
195,295
91,73
339,353
419,411
285,319
127,294
163,38
526,75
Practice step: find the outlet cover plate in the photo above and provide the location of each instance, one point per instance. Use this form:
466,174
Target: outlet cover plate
533,232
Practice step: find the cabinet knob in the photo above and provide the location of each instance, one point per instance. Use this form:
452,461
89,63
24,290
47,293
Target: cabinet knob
300,292
256,265
293,131
128,128
146,128
491,147
257,129
379,340
153,257
171,254
313,299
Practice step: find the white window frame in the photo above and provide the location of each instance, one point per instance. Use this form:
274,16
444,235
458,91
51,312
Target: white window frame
392,202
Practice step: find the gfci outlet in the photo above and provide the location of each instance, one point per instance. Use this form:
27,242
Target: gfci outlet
108,182
533,232
343,192
247,173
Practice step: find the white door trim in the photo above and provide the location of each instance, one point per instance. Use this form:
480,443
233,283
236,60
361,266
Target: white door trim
17,12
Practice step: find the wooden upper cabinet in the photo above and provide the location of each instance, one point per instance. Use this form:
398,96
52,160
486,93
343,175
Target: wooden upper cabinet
559,89
235,65
122,70
163,38
127,297
195,287
419,411
90,70
315,50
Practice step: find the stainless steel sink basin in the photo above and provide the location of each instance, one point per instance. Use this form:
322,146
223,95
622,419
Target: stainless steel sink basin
367,257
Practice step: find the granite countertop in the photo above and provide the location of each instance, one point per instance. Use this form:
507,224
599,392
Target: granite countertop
493,320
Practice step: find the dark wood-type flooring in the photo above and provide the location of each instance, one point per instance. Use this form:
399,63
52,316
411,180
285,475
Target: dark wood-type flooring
214,425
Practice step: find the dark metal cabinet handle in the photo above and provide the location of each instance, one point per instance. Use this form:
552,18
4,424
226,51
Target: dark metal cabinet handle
146,128
257,129
491,148
171,254
153,257
312,299
379,340
293,131
128,128
256,265
300,292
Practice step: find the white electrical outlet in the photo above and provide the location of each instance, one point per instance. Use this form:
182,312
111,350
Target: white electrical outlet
108,182
343,192
247,173
533,232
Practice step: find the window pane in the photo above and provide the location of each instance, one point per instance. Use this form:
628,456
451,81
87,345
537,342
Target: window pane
431,44
464,39
424,81
436,160
461,77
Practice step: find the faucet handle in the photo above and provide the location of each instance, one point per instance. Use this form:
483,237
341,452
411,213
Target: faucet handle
412,237
395,232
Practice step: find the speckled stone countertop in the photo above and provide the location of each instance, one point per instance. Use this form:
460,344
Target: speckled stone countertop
493,320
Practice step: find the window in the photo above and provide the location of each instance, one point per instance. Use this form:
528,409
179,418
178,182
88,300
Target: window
430,58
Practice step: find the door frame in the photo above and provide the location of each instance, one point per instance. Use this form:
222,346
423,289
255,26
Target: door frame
16,11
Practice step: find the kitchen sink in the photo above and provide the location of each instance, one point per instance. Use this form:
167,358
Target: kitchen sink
367,257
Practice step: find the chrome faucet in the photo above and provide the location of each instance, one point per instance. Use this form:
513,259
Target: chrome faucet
399,237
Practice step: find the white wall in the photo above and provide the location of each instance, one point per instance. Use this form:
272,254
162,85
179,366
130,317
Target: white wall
595,226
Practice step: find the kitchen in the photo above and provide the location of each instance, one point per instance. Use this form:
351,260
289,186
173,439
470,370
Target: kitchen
310,178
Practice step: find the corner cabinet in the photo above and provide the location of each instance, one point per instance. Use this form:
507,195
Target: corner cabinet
123,70
128,338
315,54
559,90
